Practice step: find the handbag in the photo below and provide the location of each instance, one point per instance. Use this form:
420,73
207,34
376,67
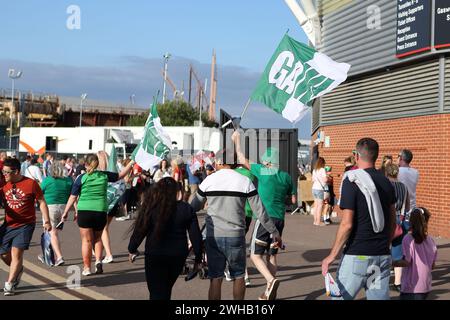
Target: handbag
398,231
326,192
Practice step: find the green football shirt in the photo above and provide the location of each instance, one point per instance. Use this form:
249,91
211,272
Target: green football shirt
56,190
273,187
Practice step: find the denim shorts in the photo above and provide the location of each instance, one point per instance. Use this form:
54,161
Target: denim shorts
371,273
318,194
222,251
19,238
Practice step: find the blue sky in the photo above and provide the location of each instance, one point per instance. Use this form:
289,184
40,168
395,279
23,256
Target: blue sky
118,50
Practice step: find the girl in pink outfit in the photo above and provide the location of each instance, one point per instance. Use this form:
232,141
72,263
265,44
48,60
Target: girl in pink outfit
419,257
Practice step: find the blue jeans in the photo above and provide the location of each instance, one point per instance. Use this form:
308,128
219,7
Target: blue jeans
369,272
221,251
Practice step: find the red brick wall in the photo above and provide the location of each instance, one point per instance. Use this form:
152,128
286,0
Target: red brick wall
428,137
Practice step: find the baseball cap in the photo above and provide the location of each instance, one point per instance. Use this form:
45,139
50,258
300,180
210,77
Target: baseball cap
272,155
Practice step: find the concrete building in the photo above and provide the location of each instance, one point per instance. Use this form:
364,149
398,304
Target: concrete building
398,90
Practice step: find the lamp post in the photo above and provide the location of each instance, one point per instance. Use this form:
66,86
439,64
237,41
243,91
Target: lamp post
13,76
83,97
166,60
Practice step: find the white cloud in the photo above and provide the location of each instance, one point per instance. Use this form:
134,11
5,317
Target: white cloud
142,77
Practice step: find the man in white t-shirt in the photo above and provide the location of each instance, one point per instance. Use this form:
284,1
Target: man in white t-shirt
407,175
33,172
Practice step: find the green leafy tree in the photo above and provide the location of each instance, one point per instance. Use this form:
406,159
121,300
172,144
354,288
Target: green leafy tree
174,114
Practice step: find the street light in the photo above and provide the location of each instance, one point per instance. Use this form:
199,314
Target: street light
83,97
132,97
166,60
13,76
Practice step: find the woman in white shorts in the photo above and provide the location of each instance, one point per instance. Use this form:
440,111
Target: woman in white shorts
56,190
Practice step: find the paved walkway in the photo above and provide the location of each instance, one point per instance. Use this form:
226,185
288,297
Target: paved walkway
300,269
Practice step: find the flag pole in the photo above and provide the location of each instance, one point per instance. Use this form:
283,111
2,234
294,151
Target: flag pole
246,107
242,114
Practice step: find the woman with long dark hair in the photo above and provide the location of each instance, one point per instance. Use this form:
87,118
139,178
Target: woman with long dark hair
163,219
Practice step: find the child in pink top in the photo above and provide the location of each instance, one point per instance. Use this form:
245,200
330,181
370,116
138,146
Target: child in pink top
419,257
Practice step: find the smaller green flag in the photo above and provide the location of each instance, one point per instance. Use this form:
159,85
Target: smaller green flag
112,161
155,144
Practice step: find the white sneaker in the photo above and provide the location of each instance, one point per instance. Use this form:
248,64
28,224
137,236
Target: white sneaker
86,272
247,282
124,218
9,289
108,260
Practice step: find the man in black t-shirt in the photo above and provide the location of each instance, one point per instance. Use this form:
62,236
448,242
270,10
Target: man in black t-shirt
366,260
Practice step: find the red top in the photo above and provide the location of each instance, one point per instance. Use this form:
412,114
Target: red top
177,171
19,202
2,179
137,170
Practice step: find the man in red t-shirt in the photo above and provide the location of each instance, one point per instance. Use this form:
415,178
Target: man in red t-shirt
19,195
2,160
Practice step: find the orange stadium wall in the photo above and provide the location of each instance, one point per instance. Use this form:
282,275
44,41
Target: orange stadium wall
428,137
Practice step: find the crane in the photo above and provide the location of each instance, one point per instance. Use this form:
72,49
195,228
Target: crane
177,95
201,95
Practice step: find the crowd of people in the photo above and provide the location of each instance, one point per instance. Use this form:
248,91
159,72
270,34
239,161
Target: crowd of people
381,225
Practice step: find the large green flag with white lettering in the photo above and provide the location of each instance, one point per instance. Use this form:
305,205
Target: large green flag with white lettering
295,76
155,144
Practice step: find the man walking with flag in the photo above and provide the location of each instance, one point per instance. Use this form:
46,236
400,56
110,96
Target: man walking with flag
274,185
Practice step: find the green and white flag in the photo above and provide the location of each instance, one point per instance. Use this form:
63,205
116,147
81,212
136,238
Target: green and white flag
155,144
112,160
295,76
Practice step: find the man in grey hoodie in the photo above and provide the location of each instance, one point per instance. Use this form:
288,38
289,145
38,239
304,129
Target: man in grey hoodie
226,192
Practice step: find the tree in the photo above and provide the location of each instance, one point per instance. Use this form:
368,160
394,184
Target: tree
174,114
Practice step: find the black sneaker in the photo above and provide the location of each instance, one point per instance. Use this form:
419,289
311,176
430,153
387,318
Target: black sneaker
98,268
396,287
